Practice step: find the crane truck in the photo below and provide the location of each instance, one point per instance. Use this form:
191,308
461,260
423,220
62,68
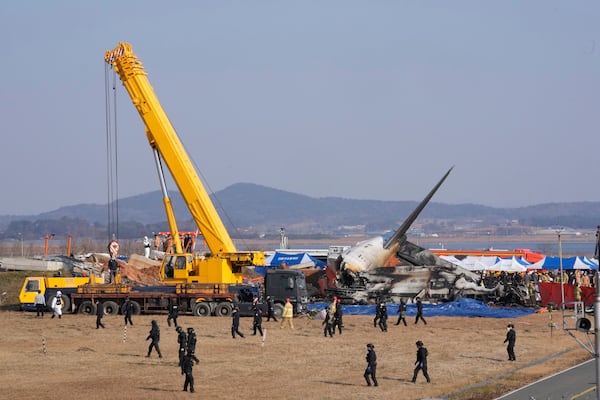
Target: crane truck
205,284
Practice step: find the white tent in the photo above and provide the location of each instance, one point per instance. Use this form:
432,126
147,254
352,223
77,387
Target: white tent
474,263
512,264
453,260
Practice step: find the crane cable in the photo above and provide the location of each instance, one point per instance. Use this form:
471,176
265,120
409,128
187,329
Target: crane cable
111,154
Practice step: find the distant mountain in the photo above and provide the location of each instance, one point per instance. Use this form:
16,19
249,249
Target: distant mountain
251,208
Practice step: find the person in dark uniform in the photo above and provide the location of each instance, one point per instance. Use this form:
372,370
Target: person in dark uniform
270,309
401,312
113,267
371,370
99,314
377,313
173,312
155,336
421,363
337,317
235,322
511,338
257,322
186,368
191,344
383,316
182,341
419,311
127,311
328,322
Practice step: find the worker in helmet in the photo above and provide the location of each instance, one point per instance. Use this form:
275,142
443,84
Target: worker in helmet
235,322
57,305
371,370
173,312
288,315
182,340
191,343
155,336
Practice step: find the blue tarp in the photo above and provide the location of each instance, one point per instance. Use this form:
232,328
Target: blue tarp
461,308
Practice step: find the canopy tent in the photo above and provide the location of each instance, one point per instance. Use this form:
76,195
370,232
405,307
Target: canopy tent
481,263
513,264
291,259
567,263
592,262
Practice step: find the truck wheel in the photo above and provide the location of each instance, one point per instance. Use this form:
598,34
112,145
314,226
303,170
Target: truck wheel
66,304
87,307
111,308
201,310
223,309
278,310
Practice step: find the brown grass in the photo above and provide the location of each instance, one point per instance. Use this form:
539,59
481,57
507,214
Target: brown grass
82,362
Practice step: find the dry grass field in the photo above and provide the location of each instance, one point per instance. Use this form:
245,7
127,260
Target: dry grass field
45,358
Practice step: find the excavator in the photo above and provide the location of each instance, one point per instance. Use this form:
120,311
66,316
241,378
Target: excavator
223,263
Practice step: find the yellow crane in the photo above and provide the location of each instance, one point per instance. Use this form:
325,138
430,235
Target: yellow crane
223,265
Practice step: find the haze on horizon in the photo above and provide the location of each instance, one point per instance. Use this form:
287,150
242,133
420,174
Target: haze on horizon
352,99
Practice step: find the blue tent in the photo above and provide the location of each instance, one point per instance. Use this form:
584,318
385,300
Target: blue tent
567,263
290,259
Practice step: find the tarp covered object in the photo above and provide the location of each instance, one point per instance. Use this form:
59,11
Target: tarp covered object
462,308
550,292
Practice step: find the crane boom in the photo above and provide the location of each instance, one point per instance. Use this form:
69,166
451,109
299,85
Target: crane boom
224,263
162,137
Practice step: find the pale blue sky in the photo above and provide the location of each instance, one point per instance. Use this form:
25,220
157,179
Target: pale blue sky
356,99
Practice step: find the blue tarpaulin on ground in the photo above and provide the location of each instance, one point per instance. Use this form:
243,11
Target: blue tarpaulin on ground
461,308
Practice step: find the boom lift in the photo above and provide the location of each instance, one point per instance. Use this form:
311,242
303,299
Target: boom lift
223,265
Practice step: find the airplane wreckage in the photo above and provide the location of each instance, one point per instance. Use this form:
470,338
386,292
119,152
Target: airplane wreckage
362,277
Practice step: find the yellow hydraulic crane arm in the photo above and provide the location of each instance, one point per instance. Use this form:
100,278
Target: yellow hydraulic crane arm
164,139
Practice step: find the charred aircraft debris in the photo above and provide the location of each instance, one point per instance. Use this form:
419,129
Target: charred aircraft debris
362,276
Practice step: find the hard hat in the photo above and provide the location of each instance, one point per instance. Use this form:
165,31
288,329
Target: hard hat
371,345
419,343
59,293
179,329
190,329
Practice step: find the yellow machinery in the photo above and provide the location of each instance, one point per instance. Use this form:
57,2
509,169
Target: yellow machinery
224,263
48,286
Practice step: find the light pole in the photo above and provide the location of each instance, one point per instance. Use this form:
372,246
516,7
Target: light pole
560,260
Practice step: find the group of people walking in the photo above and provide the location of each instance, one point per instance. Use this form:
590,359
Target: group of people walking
420,364
187,351
381,314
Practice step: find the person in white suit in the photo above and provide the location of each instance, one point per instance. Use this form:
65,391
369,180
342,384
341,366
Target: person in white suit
57,305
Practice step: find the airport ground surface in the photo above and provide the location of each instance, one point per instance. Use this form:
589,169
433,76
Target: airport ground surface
47,358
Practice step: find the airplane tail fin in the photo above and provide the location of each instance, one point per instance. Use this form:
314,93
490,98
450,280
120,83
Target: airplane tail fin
400,232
